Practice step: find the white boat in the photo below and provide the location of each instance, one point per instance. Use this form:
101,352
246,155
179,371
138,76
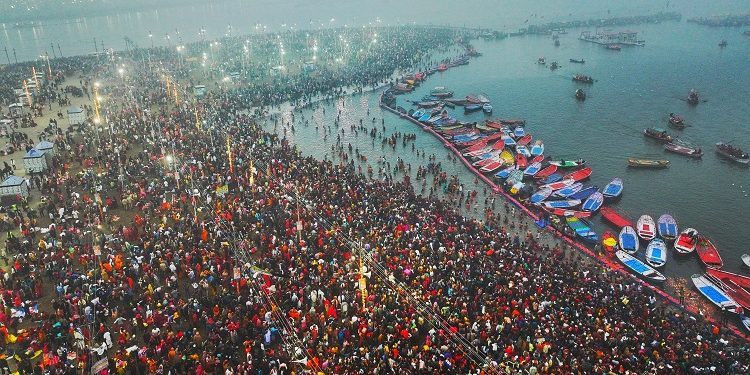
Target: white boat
686,241
646,227
656,253
715,294
628,240
746,260
640,268
745,322
537,149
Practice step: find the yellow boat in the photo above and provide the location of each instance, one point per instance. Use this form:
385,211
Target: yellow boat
507,157
648,163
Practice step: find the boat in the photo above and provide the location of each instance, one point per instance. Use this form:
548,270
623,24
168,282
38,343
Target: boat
646,227
521,161
487,108
612,47
708,253
585,193
425,117
684,149
613,189
628,240
519,132
743,319
483,99
714,294
507,156
402,88
667,227
746,260
514,177
693,98
614,218
609,242
555,177
582,228
442,67
540,195
492,166
734,291
568,203
743,281
642,269
648,163
509,141
594,202
484,128
546,172
554,66
582,78
541,61
568,163
557,42
557,185
659,134
428,104
505,172
723,43
578,61
537,149
580,95
418,113
580,174
686,241
532,169
676,121
516,188
523,150
525,140
656,253
732,153
472,107
566,213
568,190
441,92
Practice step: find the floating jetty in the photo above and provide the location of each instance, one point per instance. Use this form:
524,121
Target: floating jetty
626,38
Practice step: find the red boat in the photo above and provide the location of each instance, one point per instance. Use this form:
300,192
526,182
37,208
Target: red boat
564,212
609,242
725,276
615,218
521,161
708,253
494,124
523,141
537,159
442,67
580,174
499,145
512,121
739,295
546,172
476,147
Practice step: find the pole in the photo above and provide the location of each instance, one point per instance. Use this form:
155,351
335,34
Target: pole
59,50
14,56
96,47
49,68
6,54
53,50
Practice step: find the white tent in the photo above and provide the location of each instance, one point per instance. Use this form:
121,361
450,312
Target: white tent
13,186
76,116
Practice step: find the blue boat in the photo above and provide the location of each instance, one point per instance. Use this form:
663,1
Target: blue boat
714,294
425,117
509,142
472,107
582,228
553,178
487,108
540,195
519,132
523,150
640,268
667,227
569,190
656,253
537,148
594,202
628,240
613,189
532,169
418,113
583,194
505,172
568,203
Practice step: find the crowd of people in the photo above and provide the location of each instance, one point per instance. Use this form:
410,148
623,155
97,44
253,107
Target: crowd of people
167,245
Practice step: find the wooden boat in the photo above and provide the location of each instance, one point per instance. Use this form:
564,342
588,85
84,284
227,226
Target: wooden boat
514,177
614,218
555,177
473,99
505,172
734,291
723,43
683,149
425,117
732,153
594,202
472,107
585,193
568,163
568,203
498,145
646,227
478,153
580,95
714,294
568,190
521,161
516,188
538,148
708,253
613,189
743,319
538,159
418,113
523,141
628,240
693,98
609,242
429,104
582,228
519,132
659,134
641,269
509,141
540,195
507,156
746,260
484,128
441,92
481,145
667,227
523,150
559,184
656,253
578,61
648,163
546,172
492,166
582,78
532,169
580,174
743,281
676,121
487,108
565,213
484,161
686,241
613,47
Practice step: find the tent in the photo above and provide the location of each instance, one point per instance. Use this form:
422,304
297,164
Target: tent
47,147
76,116
35,161
16,109
14,186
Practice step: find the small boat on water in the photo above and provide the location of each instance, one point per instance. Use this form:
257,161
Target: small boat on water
582,78
648,163
492,166
609,242
578,61
746,260
732,153
613,47
723,44
743,281
667,227
613,189
686,241
541,61
523,150
555,177
708,253
693,98
676,121
580,174
519,132
642,269
514,177
659,134
425,117
580,95
684,149
566,213
472,107
559,184
568,203
418,113
507,157
525,140
714,294
505,172
538,148
593,202
540,195
568,190
487,108
614,218
656,253
554,65
628,240
646,227
521,161
546,172
585,193
734,291
582,228
441,92
562,163
532,169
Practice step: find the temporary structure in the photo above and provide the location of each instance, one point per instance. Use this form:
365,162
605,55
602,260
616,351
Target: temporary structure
14,186
35,161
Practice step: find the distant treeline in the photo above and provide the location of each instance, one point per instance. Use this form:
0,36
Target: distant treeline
600,22
15,11
732,20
